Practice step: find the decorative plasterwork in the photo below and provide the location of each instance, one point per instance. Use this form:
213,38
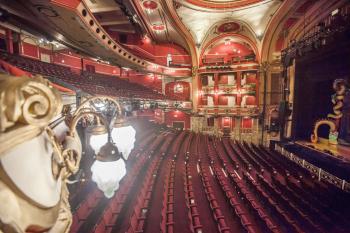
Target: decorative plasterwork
150,5
228,27
26,106
159,24
28,153
222,4
170,7
198,20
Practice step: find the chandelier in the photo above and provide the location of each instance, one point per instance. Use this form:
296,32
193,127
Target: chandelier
111,142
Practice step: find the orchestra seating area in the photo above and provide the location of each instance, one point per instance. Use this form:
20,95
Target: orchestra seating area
179,181
92,83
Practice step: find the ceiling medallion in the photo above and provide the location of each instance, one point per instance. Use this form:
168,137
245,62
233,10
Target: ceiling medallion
149,5
158,27
47,11
228,27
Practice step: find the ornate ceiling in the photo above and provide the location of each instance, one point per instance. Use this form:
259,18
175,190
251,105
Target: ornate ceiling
200,19
160,26
219,4
196,25
111,16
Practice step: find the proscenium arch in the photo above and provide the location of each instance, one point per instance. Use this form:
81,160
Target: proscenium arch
223,35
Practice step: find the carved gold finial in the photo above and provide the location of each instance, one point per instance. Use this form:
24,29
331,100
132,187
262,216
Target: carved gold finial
26,107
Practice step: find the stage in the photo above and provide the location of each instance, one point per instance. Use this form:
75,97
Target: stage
338,151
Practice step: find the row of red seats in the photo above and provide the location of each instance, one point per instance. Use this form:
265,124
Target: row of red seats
191,202
203,172
137,219
167,215
290,167
307,209
254,205
190,198
244,152
280,214
85,208
92,83
297,213
216,211
243,194
252,182
266,163
240,212
251,201
94,196
111,214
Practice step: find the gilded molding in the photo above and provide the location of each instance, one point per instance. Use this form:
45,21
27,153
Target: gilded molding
26,107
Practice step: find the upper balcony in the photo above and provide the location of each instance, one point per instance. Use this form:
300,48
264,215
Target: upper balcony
74,24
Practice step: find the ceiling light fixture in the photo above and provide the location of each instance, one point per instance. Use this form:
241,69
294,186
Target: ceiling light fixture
158,27
150,6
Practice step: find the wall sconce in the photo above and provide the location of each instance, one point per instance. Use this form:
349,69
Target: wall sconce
111,142
35,165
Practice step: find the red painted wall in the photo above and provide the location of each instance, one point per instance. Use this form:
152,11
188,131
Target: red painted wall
226,122
34,51
102,68
151,81
172,116
170,90
30,50
69,60
247,123
204,100
223,79
223,100
156,52
251,100
72,60
225,53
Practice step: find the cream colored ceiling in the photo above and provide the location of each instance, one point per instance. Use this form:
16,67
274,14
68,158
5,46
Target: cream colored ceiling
200,20
97,6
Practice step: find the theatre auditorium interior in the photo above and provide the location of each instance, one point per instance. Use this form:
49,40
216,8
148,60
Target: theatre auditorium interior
174,116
